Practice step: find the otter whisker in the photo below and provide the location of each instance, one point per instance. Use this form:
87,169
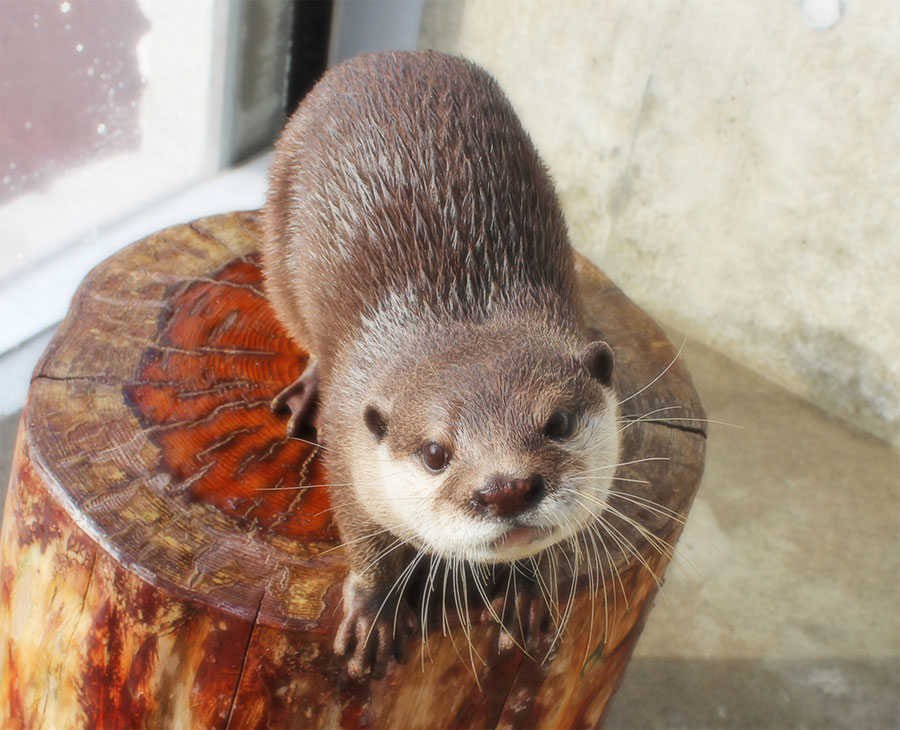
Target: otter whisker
399,499
600,583
412,569
569,602
410,566
575,571
622,463
487,602
651,538
457,600
622,543
314,486
660,545
626,479
661,409
615,479
625,424
673,419
301,486
614,574
643,502
665,370
545,591
445,625
515,588
399,542
611,530
433,567
629,546
593,592
564,524
463,612
312,443
561,618
499,619
646,417
554,582
356,540
683,563
449,567
679,560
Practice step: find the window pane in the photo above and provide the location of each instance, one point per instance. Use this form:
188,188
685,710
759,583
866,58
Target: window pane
105,105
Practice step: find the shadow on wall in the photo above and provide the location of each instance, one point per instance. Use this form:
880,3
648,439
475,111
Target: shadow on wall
744,693
864,393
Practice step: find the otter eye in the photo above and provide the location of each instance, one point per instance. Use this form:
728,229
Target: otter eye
435,457
559,426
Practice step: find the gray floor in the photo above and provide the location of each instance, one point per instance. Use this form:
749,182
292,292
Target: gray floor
784,613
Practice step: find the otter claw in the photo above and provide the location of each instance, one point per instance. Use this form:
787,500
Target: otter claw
528,626
525,619
369,639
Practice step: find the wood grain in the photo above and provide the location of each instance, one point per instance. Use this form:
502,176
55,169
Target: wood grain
161,567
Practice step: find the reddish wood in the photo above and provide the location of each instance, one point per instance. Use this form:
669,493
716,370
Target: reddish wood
160,567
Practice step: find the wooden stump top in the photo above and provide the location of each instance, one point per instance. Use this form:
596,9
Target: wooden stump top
149,414
148,422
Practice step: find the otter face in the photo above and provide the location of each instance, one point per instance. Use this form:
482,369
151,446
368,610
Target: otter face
493,463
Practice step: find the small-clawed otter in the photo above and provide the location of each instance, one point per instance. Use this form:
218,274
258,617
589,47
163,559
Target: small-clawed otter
415,245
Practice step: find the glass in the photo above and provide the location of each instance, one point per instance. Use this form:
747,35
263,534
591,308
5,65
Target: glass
105,105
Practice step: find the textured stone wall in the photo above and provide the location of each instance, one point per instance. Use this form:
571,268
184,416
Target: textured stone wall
735,167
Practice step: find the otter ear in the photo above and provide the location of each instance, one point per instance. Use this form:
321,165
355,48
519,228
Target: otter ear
597,359
375,422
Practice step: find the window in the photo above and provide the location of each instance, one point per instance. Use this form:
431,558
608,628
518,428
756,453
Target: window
118,117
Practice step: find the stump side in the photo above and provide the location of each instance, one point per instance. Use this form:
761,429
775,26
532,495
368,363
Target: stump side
154,498
87,643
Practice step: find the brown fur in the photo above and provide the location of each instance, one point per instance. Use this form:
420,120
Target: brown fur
415,244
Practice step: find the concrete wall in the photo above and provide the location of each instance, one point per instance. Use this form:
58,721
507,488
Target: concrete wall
735,167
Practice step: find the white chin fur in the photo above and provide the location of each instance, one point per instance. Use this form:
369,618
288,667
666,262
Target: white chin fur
410,508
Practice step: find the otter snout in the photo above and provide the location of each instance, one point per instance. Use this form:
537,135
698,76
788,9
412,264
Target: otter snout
508,497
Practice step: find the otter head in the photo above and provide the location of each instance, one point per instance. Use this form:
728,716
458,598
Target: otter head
491,449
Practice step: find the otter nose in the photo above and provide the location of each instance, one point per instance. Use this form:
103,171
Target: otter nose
505,497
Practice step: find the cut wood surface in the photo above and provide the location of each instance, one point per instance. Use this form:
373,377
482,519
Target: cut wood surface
160,568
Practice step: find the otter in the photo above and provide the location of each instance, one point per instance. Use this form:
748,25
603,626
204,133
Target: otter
415,245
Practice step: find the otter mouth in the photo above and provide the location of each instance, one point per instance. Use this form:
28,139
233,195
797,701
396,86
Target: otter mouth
521,536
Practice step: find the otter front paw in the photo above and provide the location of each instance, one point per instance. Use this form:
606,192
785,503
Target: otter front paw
524,614
375,628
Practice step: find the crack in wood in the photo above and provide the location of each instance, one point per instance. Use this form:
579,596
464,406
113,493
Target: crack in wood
240,677
186,484
189,423
87,587
224,441
699,430
197,350
252,236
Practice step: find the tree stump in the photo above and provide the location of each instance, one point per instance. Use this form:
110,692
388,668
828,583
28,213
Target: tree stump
160,568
